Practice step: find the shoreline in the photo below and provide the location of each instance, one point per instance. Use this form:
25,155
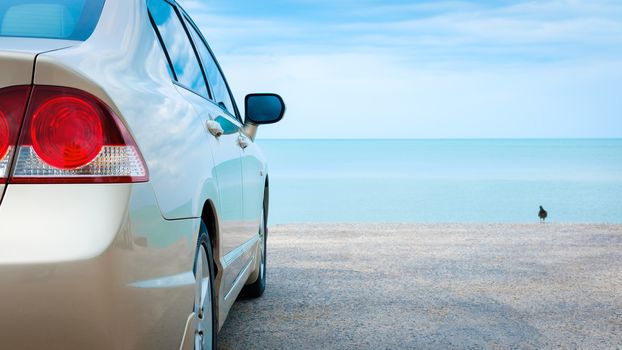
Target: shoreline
417,223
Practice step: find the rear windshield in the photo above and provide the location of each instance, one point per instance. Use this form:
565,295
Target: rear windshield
55,19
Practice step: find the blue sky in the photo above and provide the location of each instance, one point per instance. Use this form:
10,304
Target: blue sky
425,69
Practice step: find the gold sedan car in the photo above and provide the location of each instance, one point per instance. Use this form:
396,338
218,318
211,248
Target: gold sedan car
133,198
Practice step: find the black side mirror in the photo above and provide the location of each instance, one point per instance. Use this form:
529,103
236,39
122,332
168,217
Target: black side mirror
264,108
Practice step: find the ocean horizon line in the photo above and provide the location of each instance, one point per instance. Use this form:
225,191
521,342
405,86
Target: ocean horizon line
449,139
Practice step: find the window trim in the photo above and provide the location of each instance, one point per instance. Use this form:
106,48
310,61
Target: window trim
189,20
157,33
175,78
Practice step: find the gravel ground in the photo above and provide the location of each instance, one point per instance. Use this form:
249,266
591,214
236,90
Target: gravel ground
436,286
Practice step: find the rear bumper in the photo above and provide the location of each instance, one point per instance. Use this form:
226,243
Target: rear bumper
57,306
60,223
92,266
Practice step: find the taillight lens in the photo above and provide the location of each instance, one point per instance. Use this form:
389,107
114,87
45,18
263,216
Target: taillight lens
4,134
12,105
71,136
66,132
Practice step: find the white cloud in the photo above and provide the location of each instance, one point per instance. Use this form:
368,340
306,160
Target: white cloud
350,95
434,69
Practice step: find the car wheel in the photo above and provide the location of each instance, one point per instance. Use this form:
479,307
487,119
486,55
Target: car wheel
256,289
204,298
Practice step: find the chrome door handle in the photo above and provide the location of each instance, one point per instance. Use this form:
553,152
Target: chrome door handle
243,142
214,128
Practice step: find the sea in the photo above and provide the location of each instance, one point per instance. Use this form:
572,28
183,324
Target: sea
444,181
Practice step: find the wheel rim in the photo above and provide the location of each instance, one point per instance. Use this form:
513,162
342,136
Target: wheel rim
202,303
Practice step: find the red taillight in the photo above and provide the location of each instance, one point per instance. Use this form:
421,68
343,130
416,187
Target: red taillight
4,135
66,132
12,105
70,136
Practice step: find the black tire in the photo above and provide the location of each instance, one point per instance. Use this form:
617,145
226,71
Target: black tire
256,289
204,242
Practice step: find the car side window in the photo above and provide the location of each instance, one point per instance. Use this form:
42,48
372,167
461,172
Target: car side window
215,79
182,57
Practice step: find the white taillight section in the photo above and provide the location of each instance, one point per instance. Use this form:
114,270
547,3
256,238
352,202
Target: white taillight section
70,136
112,161
5,161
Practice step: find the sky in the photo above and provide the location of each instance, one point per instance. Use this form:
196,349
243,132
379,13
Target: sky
424,69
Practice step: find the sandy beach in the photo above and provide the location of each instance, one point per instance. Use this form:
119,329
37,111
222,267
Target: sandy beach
436,286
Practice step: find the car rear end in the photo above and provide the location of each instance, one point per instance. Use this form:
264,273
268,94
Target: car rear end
86,259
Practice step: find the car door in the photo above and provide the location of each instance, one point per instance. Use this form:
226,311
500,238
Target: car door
251,166
253,175
223,117
190,80
228,173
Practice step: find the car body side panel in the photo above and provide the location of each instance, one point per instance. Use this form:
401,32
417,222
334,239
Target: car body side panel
226,169
236,248
254,175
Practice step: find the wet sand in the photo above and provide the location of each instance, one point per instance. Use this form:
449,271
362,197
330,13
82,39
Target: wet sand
436,286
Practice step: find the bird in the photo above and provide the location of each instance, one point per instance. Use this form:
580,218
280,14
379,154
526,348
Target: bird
542,214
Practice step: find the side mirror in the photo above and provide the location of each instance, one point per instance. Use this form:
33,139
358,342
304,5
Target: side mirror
263,108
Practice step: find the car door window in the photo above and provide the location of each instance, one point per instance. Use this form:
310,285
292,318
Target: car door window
217,84
178,46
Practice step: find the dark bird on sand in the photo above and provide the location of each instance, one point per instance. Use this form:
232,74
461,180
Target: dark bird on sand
542,214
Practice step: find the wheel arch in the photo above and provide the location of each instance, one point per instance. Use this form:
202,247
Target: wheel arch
266,200
267,193
210,220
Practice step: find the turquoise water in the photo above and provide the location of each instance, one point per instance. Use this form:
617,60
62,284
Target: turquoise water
444,180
